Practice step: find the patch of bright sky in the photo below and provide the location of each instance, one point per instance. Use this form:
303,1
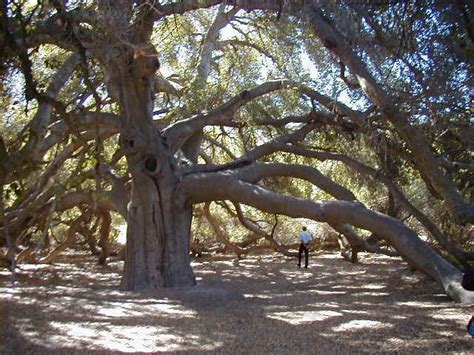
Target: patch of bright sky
308,65
309,68
15,83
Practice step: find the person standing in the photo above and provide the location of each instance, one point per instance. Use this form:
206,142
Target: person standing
305,237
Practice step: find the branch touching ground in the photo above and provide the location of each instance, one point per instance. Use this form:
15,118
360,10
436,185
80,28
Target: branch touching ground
214,186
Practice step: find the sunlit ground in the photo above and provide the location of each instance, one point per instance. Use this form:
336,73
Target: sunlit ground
262,304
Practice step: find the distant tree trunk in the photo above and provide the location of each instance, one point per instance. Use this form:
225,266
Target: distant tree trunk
106,221
158,231
89,234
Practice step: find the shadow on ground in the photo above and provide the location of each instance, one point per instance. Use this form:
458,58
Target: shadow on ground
262,304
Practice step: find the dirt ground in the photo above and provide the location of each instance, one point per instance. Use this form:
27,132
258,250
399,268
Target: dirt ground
259,305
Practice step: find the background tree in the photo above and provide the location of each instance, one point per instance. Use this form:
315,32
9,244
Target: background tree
212,102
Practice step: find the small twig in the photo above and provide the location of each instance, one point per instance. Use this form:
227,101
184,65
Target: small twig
274,226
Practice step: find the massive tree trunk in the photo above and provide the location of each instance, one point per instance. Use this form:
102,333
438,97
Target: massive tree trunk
160,209
158,233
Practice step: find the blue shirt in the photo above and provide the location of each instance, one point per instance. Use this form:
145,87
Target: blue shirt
306,237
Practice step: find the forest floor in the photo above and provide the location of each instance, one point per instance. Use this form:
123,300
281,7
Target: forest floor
260,305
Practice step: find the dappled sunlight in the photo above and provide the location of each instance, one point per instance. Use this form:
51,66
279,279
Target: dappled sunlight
323,292
449,314
374,286
364,294
416,304
135,310
78,306
357,324
262,297
351,273
313,266
346,287
301,317
124,338
355,311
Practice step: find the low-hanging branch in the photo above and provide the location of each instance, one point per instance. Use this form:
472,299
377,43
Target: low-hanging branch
252,226
259,171
335,42
425,159
70,237
449,246
222,237
208,187
357,243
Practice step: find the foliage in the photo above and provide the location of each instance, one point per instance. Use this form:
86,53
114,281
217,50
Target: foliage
420,51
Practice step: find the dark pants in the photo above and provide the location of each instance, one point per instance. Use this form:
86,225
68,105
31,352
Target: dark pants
303,247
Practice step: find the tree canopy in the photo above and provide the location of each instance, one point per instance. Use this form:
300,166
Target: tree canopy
357,114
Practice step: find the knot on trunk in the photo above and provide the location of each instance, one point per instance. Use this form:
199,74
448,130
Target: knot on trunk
151,165
132,142
245,95
144,61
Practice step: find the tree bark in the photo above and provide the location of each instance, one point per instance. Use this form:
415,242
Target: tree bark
211,187
158,232
106,221
333,40
463,212
394,191
70,237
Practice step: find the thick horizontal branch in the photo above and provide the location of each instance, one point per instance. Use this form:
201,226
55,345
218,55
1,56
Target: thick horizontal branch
257,152
180,7
257,172
211,187
179,132
391,186
335,42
